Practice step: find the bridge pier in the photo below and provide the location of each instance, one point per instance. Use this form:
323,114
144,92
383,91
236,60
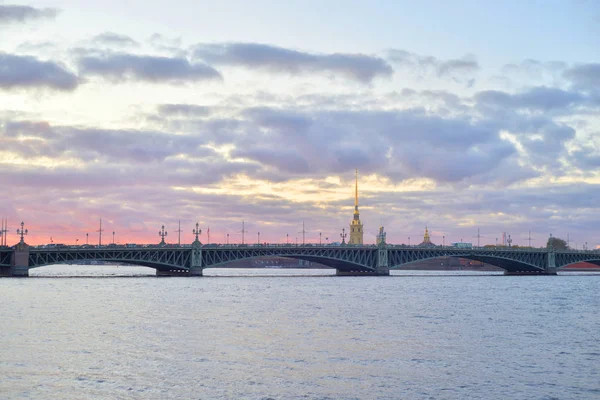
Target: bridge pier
196,261
19,262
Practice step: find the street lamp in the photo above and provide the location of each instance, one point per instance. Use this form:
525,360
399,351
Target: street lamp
287,238
257,237
113,237
197,232
162,233
319,238
409,241
343,235
76,242
22,232
86,238
444,241
228,238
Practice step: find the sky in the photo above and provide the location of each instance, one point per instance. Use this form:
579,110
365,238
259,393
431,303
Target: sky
463,116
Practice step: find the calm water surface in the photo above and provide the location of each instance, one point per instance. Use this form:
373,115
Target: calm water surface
303,335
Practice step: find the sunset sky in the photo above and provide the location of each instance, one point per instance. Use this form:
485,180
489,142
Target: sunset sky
459,115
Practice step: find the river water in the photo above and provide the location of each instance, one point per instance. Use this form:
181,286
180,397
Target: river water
298,334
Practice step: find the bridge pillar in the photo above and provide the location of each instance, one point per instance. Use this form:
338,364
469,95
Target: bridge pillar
551,264
196,262
20,260
383,266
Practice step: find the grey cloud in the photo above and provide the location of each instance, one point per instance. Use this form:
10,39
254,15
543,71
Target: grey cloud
140,147
184,110
398,144
457,69
30,72
534,68
587,159
287,160
586,76
114,39
537,98
359,67
16,13
447,147
450,67
37,47
166,44
124,67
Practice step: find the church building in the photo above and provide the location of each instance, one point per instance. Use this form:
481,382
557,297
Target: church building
426,240
356,227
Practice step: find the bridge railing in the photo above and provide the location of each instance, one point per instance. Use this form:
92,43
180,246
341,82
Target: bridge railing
130,246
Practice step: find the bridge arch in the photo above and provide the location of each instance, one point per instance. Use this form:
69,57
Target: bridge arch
156,266
339,258
507,264
326,261
592,260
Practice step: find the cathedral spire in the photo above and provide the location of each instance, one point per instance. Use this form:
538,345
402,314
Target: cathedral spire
356,194
356,227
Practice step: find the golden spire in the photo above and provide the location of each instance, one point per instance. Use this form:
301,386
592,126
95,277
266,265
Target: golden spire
426,238
356,190
356,194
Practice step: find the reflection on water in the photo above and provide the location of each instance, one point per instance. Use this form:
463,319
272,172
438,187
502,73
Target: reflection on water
423,335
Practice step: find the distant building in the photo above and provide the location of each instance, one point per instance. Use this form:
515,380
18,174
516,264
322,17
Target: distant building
381,236
356,227
426,240
462,245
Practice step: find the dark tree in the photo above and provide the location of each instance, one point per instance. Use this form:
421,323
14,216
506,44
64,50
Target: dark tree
557,243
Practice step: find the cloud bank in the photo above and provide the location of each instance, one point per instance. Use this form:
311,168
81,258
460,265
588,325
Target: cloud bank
29,72
19,14
359,67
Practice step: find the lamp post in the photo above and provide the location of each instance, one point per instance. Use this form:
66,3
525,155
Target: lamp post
100,234
287,239
257,237
162,233
319,238
343,235
443,241
113,237
228,238
76,242
22,232
197,232
409,241
86,238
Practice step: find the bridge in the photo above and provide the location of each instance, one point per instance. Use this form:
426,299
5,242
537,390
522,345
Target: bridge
350,260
